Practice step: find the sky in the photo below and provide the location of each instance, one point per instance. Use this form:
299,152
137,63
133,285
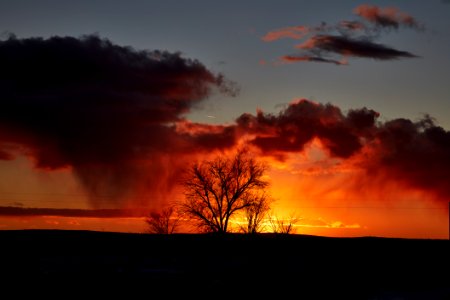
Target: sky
347,101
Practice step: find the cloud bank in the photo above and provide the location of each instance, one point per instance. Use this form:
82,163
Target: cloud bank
115,116
413,154
104,110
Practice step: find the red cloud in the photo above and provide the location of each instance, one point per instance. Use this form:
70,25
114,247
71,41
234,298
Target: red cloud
386,16
303,121
5,155
414,154
352,38
294,32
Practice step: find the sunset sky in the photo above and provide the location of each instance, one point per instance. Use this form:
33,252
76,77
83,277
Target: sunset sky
348,102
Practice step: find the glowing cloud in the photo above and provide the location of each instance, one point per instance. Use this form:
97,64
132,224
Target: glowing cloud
303,121
347,38
295,32
415,154
389,17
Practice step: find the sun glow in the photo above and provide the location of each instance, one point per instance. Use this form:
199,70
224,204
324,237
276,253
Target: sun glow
335,198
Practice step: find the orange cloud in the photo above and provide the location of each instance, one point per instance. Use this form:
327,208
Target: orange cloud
386,17
294,32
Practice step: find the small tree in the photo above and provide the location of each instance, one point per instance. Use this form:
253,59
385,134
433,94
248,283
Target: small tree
256,213
216,190
165,221
283,226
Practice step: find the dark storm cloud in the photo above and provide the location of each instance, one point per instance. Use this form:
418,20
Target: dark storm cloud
302,121
102,109
347,46
415,153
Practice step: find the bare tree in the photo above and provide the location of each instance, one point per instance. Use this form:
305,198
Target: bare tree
283,226
165,221
256,213
216,190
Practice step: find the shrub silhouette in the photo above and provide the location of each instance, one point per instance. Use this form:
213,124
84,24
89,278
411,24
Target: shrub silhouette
165,221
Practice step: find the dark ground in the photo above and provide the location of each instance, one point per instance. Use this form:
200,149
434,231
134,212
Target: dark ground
297,265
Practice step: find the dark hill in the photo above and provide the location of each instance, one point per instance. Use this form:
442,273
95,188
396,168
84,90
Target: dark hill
370,268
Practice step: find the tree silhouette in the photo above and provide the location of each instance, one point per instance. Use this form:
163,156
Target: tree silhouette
165,221
283,226
216,190
256,213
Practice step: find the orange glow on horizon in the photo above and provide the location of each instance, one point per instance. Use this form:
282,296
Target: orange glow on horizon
331,197
129,225
315,187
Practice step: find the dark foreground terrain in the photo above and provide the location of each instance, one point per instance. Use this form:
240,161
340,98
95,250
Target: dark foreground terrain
328,268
